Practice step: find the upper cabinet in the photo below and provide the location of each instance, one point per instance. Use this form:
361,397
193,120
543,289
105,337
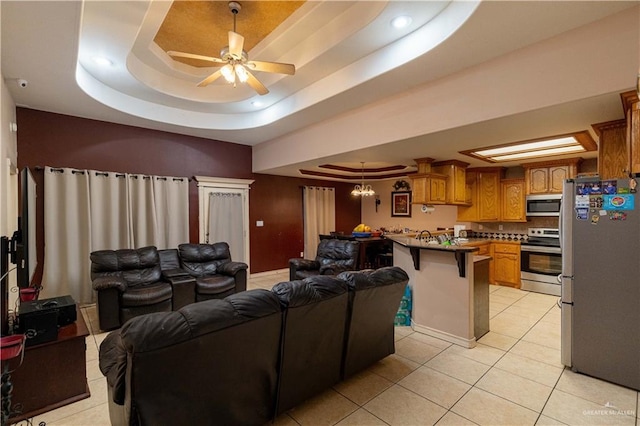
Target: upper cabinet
613,158
619,146
483,184
547,177
513,201
427,186
455,171
631,105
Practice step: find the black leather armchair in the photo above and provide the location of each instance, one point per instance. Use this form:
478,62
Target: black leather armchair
216,275
312,337
374,299
128,283
333,256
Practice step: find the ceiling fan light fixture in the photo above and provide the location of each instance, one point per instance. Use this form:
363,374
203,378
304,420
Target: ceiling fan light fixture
228,73
241,72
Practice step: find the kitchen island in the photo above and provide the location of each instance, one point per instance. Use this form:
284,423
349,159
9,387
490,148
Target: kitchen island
450,289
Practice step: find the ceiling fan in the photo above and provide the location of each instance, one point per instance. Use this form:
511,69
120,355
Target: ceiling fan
234,61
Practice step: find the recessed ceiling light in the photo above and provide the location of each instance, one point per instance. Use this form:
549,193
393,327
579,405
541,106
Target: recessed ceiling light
101,60
401,21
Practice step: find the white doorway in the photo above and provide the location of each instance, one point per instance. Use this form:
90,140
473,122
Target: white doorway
224,214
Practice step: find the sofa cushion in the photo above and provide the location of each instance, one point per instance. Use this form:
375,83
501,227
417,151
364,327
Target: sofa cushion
144,295
215,284
203,259
136,266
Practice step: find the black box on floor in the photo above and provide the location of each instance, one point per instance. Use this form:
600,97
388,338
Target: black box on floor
39,319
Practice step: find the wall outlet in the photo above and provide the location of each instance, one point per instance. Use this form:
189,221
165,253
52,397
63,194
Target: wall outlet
500,227
480,227
259,223
301,254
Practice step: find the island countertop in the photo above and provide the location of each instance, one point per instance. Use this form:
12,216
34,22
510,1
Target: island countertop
412,242
416,246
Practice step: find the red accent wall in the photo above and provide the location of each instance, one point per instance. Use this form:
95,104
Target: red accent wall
48,139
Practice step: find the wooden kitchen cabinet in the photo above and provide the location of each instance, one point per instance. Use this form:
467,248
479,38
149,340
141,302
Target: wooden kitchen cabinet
547,177
613,158
513,201
456,192
428,187
506,264
485,197
631,105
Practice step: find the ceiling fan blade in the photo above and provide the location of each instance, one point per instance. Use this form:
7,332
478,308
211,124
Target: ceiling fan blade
276,67
236,44
216,61
256,84
212,77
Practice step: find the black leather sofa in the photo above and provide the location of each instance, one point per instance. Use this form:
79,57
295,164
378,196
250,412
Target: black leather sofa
133,282
244,359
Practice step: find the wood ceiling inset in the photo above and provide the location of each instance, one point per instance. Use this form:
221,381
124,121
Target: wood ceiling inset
202,27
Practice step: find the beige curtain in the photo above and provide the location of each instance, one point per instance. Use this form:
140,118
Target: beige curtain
226,222
88,210
319,206
67,225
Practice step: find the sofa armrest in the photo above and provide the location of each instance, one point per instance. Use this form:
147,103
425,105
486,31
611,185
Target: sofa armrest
304,264
168,274
106,282
183,289
113,365
231,268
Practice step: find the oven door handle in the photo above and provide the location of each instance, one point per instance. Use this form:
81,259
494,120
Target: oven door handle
541,249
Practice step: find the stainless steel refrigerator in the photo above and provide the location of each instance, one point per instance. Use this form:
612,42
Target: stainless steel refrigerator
600,300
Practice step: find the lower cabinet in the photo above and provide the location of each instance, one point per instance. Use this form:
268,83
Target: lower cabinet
504,267
506,264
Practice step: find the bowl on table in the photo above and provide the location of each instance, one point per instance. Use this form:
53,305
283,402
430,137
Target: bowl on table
361,234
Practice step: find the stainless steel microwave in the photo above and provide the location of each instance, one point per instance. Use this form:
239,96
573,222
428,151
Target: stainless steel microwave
543,205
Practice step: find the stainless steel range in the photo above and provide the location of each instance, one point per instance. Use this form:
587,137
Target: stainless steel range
541,261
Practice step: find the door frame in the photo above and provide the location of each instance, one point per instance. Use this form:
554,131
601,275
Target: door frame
207,185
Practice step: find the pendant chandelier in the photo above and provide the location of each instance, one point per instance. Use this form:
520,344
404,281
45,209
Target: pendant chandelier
363,190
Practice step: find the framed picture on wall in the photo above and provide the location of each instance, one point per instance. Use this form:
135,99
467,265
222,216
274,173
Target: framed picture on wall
401,203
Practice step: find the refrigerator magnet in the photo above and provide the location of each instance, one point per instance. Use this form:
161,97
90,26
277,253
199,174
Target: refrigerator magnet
617,215
594,219
582,213
619,202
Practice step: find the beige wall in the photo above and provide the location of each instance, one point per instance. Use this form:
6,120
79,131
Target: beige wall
443,216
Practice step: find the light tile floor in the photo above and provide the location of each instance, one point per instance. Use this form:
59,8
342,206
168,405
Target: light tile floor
512,377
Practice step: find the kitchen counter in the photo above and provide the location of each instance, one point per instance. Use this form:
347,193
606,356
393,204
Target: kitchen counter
450,300
416,246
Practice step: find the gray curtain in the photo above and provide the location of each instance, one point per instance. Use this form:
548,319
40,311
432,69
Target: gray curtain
88,210
225,222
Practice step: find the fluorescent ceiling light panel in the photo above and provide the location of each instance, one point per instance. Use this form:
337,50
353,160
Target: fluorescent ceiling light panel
557,145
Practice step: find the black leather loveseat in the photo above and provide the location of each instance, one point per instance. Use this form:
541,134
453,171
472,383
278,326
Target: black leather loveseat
244,359
133,282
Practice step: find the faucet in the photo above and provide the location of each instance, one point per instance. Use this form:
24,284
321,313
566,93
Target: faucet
419,237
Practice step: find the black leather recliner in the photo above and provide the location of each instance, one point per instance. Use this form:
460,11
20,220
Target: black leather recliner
315,312
333,256
374,299
214,362
128,283
216,275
